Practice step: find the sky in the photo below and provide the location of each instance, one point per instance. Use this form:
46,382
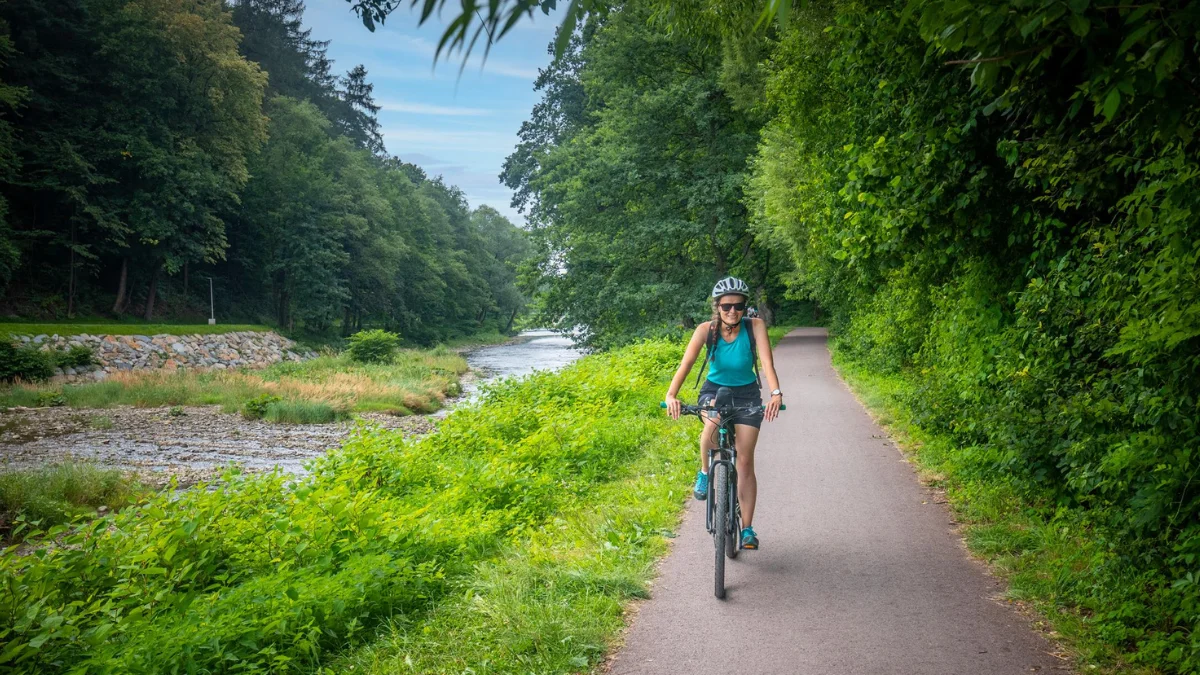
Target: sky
458,127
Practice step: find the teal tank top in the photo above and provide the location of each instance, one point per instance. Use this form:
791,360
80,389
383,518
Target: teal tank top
733,364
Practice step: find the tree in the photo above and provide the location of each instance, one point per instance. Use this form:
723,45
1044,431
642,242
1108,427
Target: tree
634,185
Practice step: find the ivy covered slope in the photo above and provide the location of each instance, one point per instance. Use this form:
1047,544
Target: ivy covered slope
509,537
997,202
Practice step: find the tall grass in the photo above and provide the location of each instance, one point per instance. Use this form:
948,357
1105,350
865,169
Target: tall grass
56,494
417,381
303,412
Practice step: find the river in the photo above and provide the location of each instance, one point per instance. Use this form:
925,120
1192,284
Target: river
532,350
200,442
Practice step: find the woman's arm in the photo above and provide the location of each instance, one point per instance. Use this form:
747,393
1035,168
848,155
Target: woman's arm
699,337
762,343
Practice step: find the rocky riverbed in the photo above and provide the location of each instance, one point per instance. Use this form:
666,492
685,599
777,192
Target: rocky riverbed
190,444
197,443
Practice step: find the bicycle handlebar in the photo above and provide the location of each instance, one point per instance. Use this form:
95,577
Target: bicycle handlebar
688,409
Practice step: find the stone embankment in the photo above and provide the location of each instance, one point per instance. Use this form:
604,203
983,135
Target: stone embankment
116,353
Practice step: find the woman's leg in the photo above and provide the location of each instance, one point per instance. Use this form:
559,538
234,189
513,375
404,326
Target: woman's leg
746,438
708,441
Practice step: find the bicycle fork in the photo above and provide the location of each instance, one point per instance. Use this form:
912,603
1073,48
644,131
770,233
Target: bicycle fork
717,456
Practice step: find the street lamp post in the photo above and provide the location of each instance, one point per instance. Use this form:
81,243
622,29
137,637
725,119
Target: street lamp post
212,319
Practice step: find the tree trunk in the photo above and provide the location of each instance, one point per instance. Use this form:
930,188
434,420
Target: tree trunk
119,305
511,318
71,277
185,283
150,294
347,321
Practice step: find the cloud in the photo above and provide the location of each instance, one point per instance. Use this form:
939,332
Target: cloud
426,109
401,139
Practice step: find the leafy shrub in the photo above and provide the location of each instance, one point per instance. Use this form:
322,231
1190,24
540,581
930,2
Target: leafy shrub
373,346
256,408
76,356
176,411
50,399
24,363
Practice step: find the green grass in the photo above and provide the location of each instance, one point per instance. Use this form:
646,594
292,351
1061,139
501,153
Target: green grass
776,333
58,493
416,381
303,412
65,329
1053,559
553,602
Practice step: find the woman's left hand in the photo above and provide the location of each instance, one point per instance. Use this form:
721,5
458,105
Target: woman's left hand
772,410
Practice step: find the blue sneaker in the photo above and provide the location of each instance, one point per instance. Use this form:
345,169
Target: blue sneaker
749,538
701,490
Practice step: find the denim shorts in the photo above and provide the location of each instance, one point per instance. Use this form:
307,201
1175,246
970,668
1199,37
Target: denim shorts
746,395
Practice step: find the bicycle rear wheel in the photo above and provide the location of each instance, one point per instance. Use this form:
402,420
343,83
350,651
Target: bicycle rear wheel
719,491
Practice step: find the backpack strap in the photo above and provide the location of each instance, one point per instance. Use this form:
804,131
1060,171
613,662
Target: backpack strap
749,328
710,350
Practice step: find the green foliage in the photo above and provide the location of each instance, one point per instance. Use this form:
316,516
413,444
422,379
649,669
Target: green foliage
996,204
57,494
24,363
256,408
270,573
373,346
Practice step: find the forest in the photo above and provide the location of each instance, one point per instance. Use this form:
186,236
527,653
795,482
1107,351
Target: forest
148,147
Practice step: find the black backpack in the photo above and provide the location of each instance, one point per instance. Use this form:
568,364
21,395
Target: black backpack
710,350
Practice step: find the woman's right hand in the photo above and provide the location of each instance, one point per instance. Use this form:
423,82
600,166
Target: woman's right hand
673,406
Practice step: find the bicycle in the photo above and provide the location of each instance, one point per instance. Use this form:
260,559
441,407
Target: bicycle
722,513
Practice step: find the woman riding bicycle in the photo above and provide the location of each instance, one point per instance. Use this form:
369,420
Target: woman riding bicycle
731,339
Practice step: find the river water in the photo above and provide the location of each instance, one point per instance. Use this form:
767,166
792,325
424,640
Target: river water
532,350
200,442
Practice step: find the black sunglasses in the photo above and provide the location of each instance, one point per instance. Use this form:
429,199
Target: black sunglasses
733,306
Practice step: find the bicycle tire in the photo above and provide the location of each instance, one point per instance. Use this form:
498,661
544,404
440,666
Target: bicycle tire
720,493
733,542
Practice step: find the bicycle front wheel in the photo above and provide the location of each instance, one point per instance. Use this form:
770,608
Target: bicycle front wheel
733,542
719,491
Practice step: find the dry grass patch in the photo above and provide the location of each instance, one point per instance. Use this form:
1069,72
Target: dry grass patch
416,381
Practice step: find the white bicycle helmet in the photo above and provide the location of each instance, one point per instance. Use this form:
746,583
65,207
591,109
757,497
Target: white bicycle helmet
731,285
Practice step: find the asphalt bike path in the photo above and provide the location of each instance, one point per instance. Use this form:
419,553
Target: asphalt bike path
860,569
